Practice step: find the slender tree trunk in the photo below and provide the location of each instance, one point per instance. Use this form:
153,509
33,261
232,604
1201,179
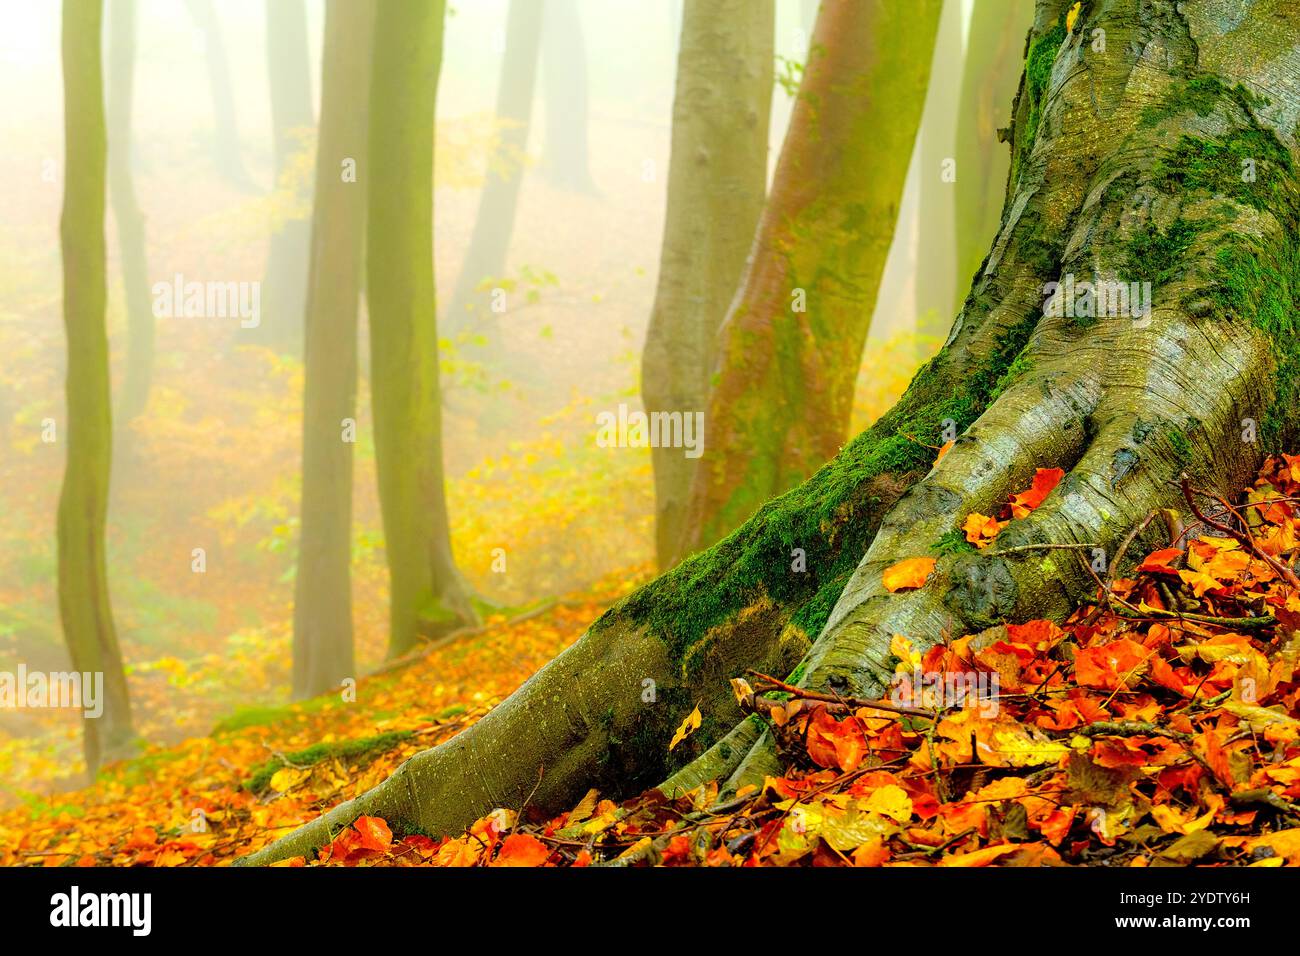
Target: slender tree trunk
84,605
564,67
790,346
717,180
495,223
994,53
1155,186
284,288
225,134
936,274
322,612
428,596
138,374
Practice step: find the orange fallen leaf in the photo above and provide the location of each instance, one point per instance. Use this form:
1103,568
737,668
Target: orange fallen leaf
907,574
1045,479
520,849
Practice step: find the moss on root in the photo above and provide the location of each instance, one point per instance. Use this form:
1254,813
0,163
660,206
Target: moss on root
347,750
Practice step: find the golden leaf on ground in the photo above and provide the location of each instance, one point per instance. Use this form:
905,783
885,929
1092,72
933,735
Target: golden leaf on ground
688,727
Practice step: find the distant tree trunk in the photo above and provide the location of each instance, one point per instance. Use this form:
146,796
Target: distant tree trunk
994,53
138,374
225,134
486,256
284,288
564,66
717,180
936,274
791,344
428,596
322,607
84,605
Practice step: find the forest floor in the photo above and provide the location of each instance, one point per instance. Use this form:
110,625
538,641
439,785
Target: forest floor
1158,725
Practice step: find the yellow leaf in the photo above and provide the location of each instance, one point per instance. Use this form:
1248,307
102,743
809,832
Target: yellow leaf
1072,17
286,778
906,574
688,727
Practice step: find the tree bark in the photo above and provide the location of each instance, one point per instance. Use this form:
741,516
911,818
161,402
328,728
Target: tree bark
428,596
84,605
289,71
994,54
225,133
138,373
565,156
717,181
1130,163
495,222
790,346
322,612
936,273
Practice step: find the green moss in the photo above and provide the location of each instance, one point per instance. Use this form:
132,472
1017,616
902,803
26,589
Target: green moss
1199,95
265,716
1038,74
1180,444
1222,167
1158,256
346,750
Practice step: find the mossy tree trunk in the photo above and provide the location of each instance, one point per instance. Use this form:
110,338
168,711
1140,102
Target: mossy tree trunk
994,54
791,343
322,612
428,596
936,264
495,223
717,180
138,372
1154,159
289,70
84,605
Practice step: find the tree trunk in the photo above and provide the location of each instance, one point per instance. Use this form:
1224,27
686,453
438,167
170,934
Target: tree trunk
322,612
428,596
495,223
717,180
289,71
936,273
994,53
790,346
564,66
225,133
1154,159
84,605
138,374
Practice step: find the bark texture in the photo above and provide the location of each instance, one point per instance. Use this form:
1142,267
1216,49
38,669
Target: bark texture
495,223
84,606
791,343
1127,163
717,180
322,607
428,596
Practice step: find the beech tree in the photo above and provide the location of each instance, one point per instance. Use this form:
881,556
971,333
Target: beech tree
322,607
790,347
565,86
84,605
495,222
717,180
1149,142
428,596
225,133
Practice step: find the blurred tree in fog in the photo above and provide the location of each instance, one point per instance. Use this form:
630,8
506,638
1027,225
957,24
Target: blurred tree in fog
791,345
322,607
564,65
134,390
284,287
225,134
717,181
486,256
84,605
428,596
994,52
936,261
